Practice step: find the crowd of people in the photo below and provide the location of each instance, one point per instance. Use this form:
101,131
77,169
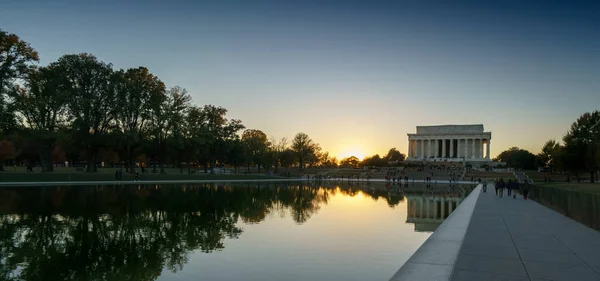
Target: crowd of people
512,188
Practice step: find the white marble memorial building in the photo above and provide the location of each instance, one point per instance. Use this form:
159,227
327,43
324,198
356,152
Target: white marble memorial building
449,143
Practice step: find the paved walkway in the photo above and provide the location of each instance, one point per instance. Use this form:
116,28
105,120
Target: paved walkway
514,239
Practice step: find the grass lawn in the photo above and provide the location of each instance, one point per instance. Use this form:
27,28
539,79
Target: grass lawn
593,188
60,176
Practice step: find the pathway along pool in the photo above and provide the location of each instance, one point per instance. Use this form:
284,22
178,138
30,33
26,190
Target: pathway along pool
253,231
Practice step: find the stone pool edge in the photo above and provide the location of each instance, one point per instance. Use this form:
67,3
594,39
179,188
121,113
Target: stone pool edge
435,259
77,183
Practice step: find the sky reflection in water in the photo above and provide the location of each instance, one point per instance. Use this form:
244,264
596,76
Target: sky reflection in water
251,231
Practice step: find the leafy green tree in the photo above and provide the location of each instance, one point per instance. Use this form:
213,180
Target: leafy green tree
328,161
92,101
257,144
136,90
581,144
41,106
394,155
315,157
375,160
237,153
16,58
217,129
304,147
179,137
350,162
287,158
550,154
518,158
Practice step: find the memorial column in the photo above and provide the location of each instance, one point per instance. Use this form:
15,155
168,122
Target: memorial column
409,146
442,206
416,148
488,149
451,154
473,151
422,148
421,208
444,148
458,153
480,148
430,143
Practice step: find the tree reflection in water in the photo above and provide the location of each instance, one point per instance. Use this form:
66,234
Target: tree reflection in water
133,232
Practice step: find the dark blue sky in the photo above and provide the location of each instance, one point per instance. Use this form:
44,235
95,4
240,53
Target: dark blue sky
375,68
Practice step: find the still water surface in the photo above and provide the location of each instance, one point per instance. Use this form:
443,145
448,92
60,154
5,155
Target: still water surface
254,231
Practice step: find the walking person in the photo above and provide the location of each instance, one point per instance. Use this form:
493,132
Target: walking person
509,186
501,188
496,186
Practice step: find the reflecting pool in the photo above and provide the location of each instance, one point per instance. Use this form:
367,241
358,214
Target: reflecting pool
250,231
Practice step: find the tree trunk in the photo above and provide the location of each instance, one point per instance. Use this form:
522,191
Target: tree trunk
162,167
180,166
592,173
1,165
91,162
259,168
49,163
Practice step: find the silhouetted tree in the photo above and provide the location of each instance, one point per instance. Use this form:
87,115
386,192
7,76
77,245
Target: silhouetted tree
518,158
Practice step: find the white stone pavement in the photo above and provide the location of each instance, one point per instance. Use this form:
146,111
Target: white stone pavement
507,239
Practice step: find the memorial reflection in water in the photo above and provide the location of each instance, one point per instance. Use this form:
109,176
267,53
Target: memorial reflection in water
427,212
149,232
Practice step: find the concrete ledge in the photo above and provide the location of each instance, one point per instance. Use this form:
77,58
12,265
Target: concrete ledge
435,259
71,183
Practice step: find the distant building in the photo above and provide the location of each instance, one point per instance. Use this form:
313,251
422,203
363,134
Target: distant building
450,143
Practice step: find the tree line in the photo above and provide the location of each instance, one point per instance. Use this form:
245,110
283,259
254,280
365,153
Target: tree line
81,109
578,153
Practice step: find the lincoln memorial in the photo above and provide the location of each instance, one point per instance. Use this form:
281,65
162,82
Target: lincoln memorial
455,143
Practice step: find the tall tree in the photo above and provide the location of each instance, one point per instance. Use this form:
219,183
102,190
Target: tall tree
256,143
277,148
394,155
303,146
16,58
287,158
212,131
518,158
375,160
91,103
328,161
351,162
237,153
172,123
178,102
41,106
582,147
549,155
136,90
315,156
